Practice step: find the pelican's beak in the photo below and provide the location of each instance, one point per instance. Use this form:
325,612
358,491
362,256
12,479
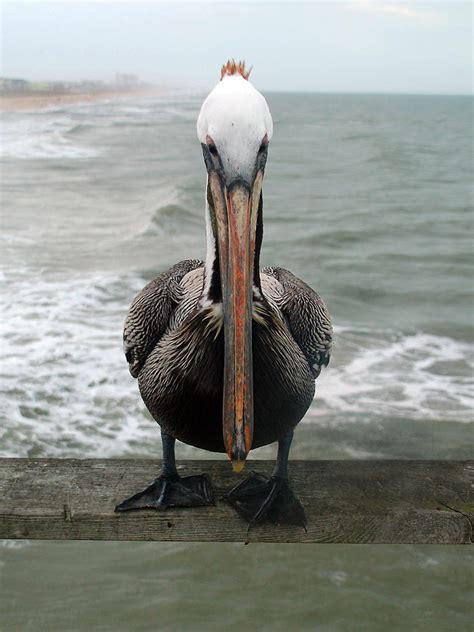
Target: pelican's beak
236,211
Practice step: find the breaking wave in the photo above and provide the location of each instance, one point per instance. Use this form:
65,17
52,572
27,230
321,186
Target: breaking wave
36,138
418,376
172,219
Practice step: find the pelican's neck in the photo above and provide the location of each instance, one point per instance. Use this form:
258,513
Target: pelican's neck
212,289
212,292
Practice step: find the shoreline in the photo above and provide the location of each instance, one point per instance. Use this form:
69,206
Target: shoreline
31,101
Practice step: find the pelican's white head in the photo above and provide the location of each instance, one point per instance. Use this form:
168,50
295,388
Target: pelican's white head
235,124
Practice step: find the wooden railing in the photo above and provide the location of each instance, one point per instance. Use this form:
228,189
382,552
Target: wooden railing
345,501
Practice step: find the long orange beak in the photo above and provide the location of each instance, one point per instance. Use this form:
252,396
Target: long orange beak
236,213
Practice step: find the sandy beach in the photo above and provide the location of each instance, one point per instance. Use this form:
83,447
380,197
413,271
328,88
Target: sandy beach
19,101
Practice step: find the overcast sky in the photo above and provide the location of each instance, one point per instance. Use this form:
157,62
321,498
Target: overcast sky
364,46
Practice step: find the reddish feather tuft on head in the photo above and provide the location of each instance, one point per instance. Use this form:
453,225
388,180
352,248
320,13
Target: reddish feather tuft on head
233,67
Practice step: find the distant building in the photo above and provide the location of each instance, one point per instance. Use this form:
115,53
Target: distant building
57,86
88,85
123,81
8,84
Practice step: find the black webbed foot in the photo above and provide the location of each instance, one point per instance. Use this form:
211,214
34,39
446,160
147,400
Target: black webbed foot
172,491
261,499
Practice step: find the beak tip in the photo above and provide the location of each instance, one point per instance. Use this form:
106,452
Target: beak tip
238,465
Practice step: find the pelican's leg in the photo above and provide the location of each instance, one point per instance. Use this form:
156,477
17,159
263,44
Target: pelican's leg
169,489
261,499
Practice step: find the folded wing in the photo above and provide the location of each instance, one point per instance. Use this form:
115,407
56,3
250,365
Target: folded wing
305,313
152,311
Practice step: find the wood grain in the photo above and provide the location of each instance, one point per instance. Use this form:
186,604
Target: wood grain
345,501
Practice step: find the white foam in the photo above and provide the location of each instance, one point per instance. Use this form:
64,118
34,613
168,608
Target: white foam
418,376
131,109
30,137
64,381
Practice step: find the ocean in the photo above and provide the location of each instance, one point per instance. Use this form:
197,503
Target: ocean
368,198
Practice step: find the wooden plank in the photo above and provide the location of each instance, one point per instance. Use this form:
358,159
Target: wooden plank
345,501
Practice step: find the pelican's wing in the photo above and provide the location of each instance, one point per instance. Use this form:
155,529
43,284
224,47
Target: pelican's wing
305,313
151,311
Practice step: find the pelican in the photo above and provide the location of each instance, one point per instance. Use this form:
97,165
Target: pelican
226,354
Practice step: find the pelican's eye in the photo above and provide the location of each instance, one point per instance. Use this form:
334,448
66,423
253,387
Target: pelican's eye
211,146
264,144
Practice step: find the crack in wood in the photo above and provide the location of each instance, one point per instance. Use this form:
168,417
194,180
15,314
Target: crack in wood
68,513
467,516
